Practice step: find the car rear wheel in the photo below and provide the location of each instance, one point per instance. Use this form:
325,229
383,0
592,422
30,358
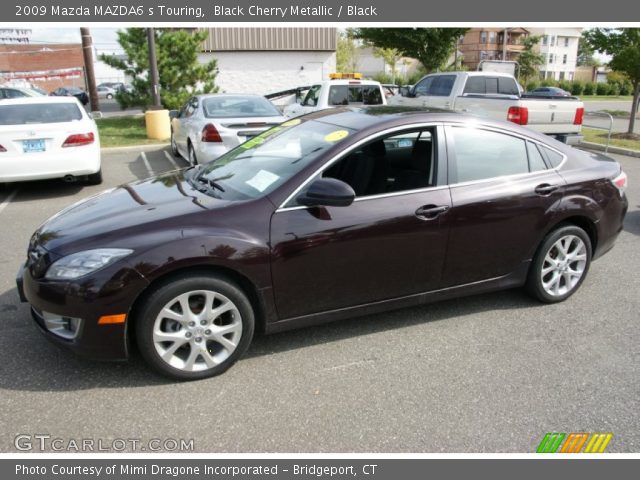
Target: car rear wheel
194,327
560,265
109,96
193,159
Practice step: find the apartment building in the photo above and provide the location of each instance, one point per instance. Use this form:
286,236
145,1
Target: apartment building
480,44
559,46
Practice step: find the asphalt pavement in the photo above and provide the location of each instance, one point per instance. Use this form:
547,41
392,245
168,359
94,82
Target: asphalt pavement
489,373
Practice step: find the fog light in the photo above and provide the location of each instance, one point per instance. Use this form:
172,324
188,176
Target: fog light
65,327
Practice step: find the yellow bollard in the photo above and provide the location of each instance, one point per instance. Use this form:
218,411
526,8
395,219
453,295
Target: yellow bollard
158,124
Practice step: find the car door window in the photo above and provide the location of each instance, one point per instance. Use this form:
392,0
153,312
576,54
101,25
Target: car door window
393,163
423,87
475,85
482,154
442,85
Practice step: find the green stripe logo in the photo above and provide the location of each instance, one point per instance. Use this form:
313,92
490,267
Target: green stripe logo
550,443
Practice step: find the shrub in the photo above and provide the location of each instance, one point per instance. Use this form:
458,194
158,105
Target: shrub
532,85
589,88
548,82
626,88
614,89
565,85
577,88
602,88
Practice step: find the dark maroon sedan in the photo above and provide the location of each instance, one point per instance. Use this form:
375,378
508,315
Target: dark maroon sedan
340,213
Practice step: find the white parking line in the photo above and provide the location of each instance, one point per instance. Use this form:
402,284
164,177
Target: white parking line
147,164
7,200
171,160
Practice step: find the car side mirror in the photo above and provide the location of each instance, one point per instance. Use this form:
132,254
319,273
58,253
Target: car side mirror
327,192
407,92
174,114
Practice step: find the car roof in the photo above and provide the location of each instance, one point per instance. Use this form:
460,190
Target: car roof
39,100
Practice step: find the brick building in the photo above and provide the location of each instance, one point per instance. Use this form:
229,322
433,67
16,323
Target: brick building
47,66
480,44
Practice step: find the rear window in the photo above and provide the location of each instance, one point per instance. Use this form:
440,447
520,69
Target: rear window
234,107
348,94
491,85
23,114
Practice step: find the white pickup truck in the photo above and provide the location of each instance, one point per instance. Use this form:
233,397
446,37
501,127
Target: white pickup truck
496,95
341,90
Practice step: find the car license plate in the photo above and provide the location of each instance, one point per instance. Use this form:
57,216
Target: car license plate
30,146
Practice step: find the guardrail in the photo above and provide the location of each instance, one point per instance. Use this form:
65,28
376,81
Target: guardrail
599,127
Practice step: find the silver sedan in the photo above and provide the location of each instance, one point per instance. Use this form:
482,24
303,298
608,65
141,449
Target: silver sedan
209,125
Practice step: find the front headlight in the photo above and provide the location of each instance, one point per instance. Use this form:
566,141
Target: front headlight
82,263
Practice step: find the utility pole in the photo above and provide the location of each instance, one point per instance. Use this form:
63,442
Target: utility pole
87,53
153,71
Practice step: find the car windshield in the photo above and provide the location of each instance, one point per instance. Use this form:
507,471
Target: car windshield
235,107
263,163
21,114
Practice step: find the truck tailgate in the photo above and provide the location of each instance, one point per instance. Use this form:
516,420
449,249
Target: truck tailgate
552,116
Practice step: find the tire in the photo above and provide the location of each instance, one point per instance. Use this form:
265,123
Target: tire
174,146
109,96
560,265
192,349
193,159
95,178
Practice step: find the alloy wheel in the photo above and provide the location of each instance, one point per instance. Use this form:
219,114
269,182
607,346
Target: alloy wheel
564,265
197,330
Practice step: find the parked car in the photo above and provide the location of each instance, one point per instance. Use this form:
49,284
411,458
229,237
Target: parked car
47,137
209,125
80,94
116,86
106,92
496,95
339,213
17,92
549,92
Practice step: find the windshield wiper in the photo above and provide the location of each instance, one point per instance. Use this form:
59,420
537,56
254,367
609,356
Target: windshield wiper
211,182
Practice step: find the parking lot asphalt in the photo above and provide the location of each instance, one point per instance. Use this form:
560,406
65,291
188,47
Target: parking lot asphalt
490,373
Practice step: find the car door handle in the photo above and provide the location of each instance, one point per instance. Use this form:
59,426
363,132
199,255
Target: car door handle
429,212
545,189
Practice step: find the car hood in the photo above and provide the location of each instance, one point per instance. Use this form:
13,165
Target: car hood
124,216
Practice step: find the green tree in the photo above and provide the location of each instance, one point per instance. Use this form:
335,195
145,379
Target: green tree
432,47
347,53
529,60
586,52
181,75
390,57
623,45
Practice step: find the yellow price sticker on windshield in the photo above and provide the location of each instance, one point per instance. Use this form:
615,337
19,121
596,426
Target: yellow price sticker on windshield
292,122
336,136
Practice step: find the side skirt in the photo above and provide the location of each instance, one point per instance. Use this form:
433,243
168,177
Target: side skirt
512,280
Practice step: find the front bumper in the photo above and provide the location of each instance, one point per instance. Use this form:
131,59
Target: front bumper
109,291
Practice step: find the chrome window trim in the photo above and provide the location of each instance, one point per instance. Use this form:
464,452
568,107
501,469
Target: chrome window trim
343,154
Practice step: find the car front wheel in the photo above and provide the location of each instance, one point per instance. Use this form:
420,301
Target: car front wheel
560,265
194,327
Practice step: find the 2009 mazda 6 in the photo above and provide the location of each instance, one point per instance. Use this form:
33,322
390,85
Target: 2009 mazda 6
340,213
